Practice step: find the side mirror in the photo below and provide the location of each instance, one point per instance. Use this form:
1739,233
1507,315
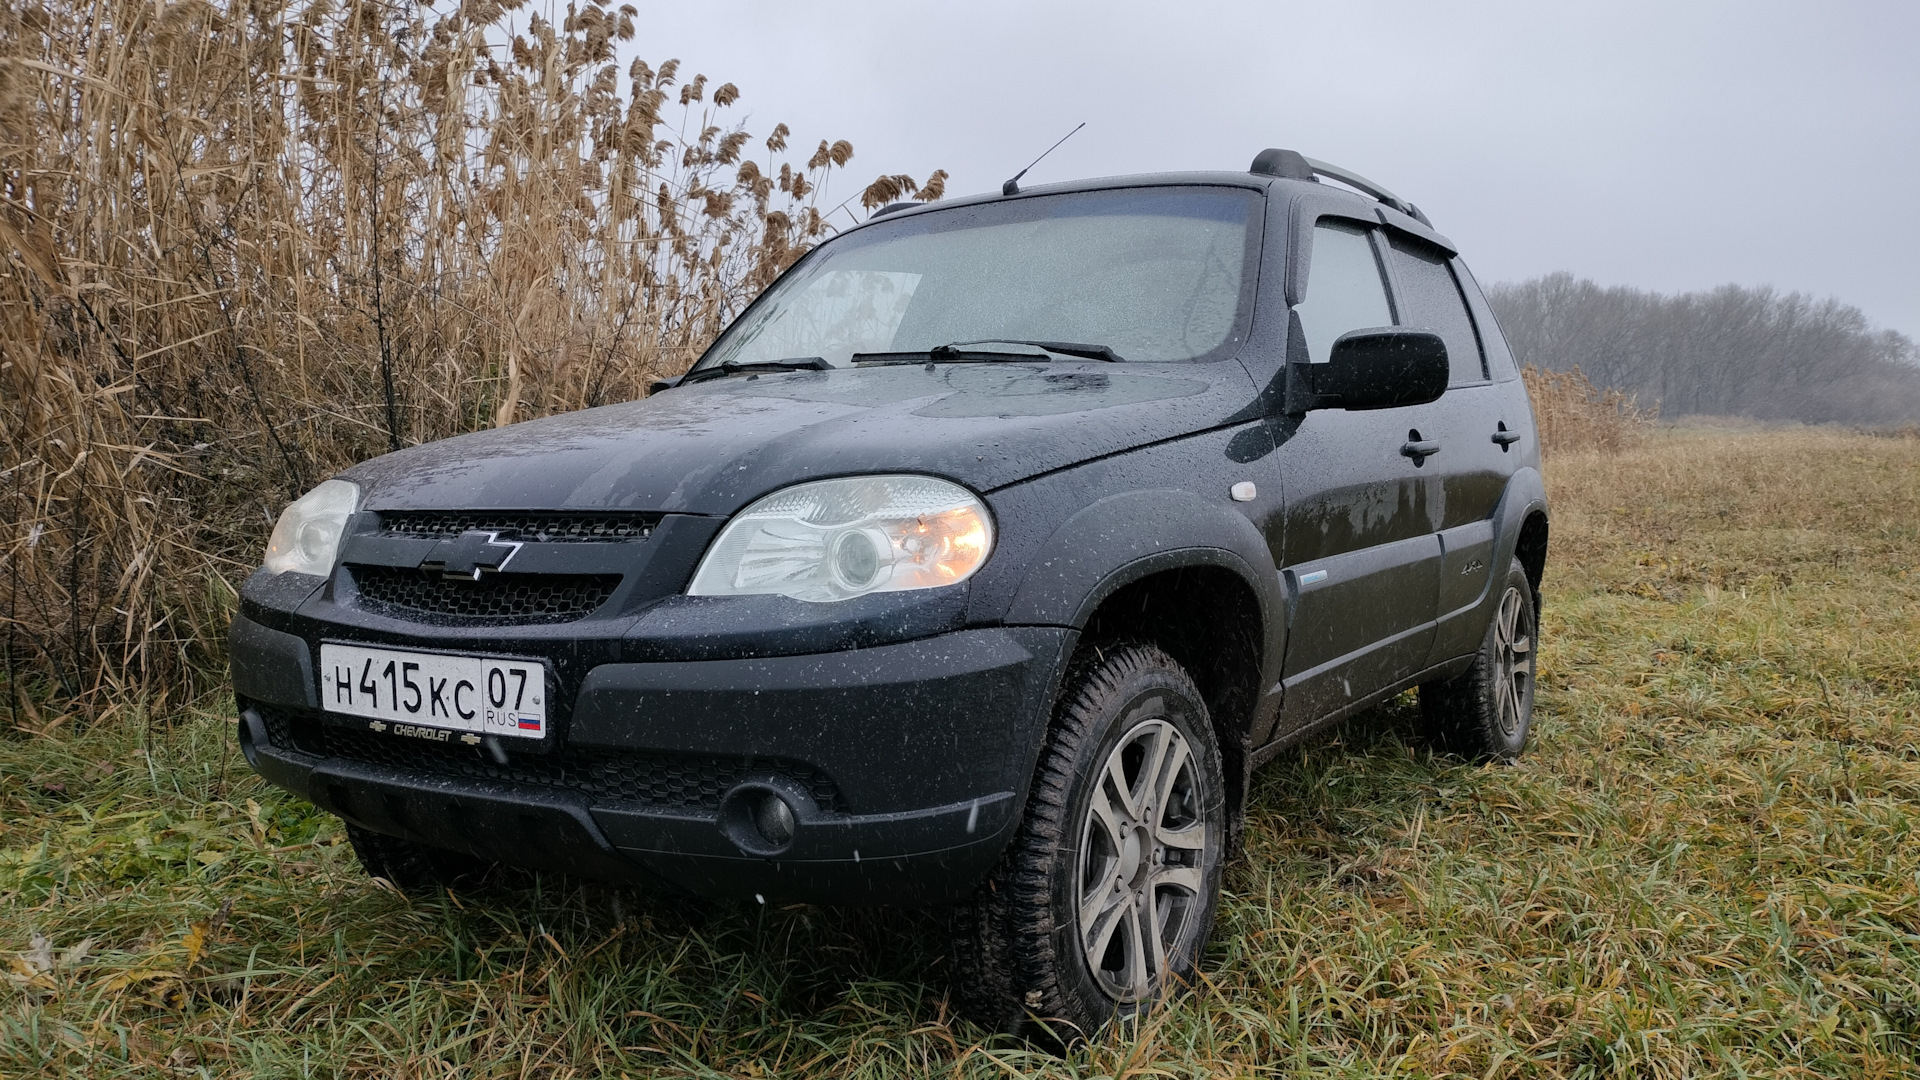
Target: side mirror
1380,368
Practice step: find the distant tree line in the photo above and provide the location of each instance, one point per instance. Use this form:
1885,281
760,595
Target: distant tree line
1730,351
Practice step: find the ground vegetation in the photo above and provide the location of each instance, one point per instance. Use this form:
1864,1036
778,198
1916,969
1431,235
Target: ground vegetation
1704,866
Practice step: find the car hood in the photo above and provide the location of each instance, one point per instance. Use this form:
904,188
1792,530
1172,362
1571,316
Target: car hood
711,447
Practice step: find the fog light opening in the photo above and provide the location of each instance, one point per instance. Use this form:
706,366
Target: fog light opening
774,820
763,817
252,728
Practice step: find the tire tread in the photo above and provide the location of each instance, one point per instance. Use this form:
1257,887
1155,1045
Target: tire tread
1005,944
1460,714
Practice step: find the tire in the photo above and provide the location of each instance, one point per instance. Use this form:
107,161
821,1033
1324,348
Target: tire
1105,899
415,868
1485,714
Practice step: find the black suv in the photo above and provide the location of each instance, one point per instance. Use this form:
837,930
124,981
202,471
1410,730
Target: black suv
978,562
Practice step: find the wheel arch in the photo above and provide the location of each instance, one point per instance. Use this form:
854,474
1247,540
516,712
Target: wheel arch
1530,550
1192,576
1524,528
1206,617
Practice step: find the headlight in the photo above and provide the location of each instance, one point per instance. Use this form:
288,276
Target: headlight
307,536
833,539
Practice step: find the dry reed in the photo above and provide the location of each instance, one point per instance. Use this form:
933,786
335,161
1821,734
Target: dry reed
1575,415
243,244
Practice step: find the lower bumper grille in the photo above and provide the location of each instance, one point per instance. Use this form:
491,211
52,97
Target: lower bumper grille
687,781
515,598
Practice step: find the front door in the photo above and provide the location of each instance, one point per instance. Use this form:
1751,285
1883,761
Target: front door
1360,552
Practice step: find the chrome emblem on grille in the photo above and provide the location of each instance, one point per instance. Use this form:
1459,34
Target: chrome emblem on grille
467,556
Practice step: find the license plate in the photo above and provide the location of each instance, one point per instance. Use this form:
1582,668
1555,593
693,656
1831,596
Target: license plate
428,694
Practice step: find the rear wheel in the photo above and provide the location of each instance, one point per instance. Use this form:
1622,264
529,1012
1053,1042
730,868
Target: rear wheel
1486,713
415,868
1106,898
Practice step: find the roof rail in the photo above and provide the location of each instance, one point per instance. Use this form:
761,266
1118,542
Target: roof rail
1291,165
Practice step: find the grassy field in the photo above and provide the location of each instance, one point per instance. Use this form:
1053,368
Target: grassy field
1705,866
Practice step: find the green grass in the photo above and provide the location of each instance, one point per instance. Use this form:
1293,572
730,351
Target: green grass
1705,866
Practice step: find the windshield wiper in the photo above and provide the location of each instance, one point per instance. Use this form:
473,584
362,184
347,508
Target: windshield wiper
1064,348
959,353
947,354
735,367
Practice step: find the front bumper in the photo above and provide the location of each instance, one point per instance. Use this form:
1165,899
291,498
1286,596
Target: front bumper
905,766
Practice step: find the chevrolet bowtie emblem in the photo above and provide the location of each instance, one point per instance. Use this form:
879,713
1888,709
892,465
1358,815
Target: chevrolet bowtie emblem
469,555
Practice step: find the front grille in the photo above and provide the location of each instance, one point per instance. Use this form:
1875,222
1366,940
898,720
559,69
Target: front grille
679,780
536,527
519,598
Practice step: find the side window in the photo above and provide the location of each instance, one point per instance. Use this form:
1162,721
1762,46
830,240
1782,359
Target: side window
1344,288
1430,300
1500,363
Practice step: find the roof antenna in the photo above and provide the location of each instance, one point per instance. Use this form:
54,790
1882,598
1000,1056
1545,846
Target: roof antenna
1012,187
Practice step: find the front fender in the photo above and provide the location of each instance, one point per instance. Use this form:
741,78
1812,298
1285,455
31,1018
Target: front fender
1122,538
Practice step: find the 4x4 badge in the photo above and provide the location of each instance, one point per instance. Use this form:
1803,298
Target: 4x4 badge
470,554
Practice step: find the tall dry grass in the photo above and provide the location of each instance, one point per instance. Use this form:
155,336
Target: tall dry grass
1574,415
246,242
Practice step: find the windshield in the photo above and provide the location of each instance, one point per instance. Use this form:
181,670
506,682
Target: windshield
1155,274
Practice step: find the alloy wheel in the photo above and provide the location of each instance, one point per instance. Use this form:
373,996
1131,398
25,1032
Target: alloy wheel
1143,850
1514,660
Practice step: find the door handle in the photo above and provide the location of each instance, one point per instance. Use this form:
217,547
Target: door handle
1420,450
1505,438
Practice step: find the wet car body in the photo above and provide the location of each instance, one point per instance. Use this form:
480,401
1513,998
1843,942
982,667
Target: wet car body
1302,562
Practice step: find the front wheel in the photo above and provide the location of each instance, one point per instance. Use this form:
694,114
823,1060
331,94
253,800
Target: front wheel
1486,713
1106,898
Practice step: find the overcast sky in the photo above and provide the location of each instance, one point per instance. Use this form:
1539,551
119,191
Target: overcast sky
1672,146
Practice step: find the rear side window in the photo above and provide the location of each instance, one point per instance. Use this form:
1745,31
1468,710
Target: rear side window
1345,290
1430,300
1500,362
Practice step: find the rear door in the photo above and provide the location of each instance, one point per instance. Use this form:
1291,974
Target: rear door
1468,424
1359,554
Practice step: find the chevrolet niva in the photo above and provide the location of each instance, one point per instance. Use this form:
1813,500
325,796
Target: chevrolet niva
979,562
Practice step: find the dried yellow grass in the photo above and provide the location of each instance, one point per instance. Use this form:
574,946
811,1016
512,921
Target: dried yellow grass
243,244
